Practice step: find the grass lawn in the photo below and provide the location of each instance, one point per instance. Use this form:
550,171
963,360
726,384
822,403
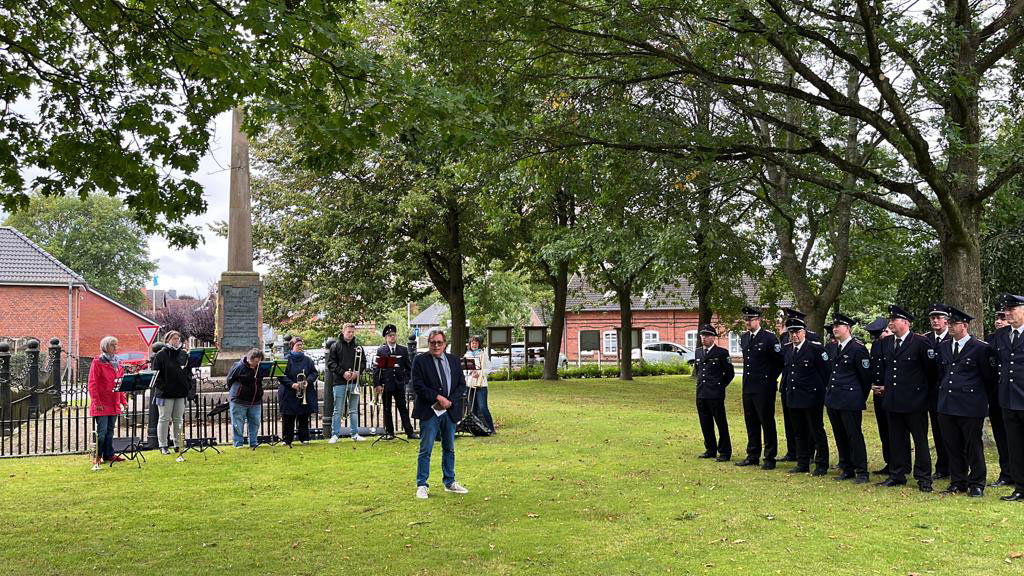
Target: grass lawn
594,477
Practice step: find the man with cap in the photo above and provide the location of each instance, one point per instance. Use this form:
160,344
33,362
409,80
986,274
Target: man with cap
806,366
787,417
879,329
390,376
968,367
762,364
938,318
713,371
1009,351
995,410
845,398
908,372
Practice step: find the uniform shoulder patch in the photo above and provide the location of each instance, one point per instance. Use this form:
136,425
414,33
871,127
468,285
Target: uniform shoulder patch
931,353
866,363
778,347
824,356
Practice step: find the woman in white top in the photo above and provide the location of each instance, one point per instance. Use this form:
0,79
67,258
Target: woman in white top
478,380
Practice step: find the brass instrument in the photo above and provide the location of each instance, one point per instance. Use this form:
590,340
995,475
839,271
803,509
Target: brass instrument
355,367
180,441
301,392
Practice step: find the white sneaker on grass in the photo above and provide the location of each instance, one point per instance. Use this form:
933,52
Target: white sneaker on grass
333,440
421,492
358,438
456,487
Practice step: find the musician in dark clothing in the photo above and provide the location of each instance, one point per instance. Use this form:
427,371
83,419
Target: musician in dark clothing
172,387
297,405
909,371
845,396
245,393
345,361
938,318
390,377
762,364
968,367
713,371
807,368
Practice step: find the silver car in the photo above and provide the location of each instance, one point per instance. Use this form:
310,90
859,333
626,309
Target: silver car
664,353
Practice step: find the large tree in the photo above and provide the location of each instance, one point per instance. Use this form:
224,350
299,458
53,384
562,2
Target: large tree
96,237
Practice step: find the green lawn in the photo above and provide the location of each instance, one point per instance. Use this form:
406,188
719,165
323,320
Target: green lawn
594,477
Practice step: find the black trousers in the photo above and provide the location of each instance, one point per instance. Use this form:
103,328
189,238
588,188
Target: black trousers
995,417
398,396
941,455
787,426
853,453
759,416
811,440
962,435
712,412
1014,421
289,427
882,419
903,427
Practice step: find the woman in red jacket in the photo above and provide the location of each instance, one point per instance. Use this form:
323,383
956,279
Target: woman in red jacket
104,403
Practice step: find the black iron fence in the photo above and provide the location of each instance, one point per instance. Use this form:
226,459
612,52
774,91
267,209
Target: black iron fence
42,414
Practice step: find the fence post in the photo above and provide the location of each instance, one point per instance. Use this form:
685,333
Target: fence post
55,371
32,355
328,417
5,389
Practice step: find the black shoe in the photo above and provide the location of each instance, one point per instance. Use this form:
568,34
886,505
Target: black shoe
975,492
882,471
747,462
723,458
954,490
768,465
413,436
939,476
707,455
788,458
164,450
890,483
799,470
845,476
1015,497
1000,483
924,487
819,471
863,479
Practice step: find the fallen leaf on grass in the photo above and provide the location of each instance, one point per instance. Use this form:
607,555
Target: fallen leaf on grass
738,541
532,515
1016,554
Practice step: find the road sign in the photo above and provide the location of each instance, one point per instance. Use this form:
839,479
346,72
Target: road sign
148,332
416,331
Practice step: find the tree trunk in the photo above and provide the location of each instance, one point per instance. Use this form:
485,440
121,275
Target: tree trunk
456,282
560,284
625,333
961,266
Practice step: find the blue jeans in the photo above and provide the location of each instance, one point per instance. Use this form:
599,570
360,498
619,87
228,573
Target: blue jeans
480,408
242,413
105,435
428,433
344,396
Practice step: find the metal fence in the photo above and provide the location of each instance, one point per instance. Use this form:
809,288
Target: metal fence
41,414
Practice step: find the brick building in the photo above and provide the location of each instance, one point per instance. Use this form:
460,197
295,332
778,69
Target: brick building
666,315
42,298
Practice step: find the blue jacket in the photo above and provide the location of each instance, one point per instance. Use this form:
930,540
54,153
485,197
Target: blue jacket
427,385
242,385
762,362
287,396
966,379
849,381
712,372
392,379
807,372
908,375
1010,362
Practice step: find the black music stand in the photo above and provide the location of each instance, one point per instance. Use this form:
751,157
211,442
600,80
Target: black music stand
133,384
388,361
269,369
467,419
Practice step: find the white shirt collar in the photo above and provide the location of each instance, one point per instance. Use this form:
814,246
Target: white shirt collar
941,336
845,342
963,341
755,332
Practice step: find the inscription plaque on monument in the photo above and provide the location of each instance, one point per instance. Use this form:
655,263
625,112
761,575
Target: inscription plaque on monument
241,317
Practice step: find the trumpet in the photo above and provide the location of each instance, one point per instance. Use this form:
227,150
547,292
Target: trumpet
301,392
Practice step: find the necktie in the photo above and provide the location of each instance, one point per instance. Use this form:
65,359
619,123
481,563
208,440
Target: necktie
440,371
956,349
1013,339
898,342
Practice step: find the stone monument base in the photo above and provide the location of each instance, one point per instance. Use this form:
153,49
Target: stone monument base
239,318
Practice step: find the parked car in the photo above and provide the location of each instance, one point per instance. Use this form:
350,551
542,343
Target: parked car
664,353
133,362
519,358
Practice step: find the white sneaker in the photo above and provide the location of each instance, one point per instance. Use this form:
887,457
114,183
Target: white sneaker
358,438
333,440
456,487
421,492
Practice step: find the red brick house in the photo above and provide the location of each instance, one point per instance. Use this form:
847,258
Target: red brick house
42,298
668,314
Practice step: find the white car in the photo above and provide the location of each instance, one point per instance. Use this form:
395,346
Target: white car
664,353
519,358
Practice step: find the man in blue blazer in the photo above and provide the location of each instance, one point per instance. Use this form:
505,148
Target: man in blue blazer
439,384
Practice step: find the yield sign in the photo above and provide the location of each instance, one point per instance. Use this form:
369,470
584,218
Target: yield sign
148,332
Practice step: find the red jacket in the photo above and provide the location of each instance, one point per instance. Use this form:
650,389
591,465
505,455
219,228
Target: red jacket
103,401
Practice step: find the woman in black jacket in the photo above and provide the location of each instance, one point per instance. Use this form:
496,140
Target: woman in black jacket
173,382
246,395
290,396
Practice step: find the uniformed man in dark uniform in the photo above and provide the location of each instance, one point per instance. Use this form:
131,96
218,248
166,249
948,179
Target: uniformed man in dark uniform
909,371
390,376
845,398
762,364
938,317
879,329
713,371
1009,350
995,410
806,365
968,367
787,417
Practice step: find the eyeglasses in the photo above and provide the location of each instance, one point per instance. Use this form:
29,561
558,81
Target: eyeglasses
437,342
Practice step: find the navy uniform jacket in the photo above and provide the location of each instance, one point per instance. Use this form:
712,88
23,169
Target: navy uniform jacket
289,399
1010,362
935,342
713,372
392,379
962,391
762,362
784,341
993,389
907,376
807,370
850,380
427,384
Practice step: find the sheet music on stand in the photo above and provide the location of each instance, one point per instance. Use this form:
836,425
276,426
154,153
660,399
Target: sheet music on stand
271,369
133,384
201,357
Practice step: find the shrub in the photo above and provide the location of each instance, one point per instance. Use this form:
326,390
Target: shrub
640,368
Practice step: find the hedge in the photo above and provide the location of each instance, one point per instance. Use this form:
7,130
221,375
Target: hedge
641,368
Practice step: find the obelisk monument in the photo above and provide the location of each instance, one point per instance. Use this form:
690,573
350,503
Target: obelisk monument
240,293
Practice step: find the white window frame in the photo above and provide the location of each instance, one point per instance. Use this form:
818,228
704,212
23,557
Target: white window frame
649,337
691,339
734,344
609,343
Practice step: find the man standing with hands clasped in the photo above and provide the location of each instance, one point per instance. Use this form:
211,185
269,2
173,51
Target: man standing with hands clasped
439,383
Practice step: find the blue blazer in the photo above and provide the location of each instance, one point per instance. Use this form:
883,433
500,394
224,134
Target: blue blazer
427,385
966,380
